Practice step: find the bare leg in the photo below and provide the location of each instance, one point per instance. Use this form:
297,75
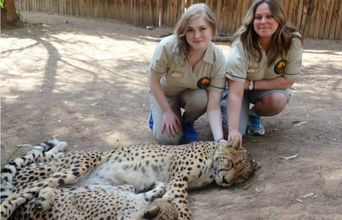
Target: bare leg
271,104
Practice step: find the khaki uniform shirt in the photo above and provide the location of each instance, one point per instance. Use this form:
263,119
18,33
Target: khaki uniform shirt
240,67
178,76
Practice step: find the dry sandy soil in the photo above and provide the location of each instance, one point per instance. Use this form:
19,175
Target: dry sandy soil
85,81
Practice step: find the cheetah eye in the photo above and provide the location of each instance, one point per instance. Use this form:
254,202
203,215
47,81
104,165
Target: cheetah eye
228,164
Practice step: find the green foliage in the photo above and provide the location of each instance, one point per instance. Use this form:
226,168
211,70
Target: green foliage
2,4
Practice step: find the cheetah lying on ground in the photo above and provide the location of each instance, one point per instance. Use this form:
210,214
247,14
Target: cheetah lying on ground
180,167
95,202
84,202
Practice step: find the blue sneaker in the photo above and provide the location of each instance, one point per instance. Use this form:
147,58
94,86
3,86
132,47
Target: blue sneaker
150,121
189,133
255,126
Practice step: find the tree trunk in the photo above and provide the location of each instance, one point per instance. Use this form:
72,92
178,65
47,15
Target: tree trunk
11,13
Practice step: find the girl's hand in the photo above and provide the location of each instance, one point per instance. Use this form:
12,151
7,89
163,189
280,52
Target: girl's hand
222,140
170,124
235,134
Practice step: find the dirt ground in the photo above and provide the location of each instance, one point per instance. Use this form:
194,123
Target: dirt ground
85,81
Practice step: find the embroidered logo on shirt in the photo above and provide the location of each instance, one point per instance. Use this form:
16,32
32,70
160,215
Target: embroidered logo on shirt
177,75
253,70
203,82
279,68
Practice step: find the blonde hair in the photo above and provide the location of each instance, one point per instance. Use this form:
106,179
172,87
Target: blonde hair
195,10
281,39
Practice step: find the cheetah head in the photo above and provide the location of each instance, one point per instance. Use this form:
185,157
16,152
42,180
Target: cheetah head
233,164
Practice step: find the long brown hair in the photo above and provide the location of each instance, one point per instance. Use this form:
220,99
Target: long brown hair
195,10
281,39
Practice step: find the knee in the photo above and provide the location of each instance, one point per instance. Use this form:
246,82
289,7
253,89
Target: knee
275,103
164,139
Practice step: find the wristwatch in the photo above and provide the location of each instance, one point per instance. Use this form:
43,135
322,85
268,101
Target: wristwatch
251,85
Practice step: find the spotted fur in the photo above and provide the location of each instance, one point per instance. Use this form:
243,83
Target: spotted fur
43,152
95,202
180,167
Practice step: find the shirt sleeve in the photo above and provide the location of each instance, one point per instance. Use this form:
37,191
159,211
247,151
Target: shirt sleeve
237,63
218,80
159,61
294,59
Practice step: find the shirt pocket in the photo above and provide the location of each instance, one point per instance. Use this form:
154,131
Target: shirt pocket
253,71
176,71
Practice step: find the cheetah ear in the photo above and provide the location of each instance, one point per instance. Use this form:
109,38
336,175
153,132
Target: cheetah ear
151,212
